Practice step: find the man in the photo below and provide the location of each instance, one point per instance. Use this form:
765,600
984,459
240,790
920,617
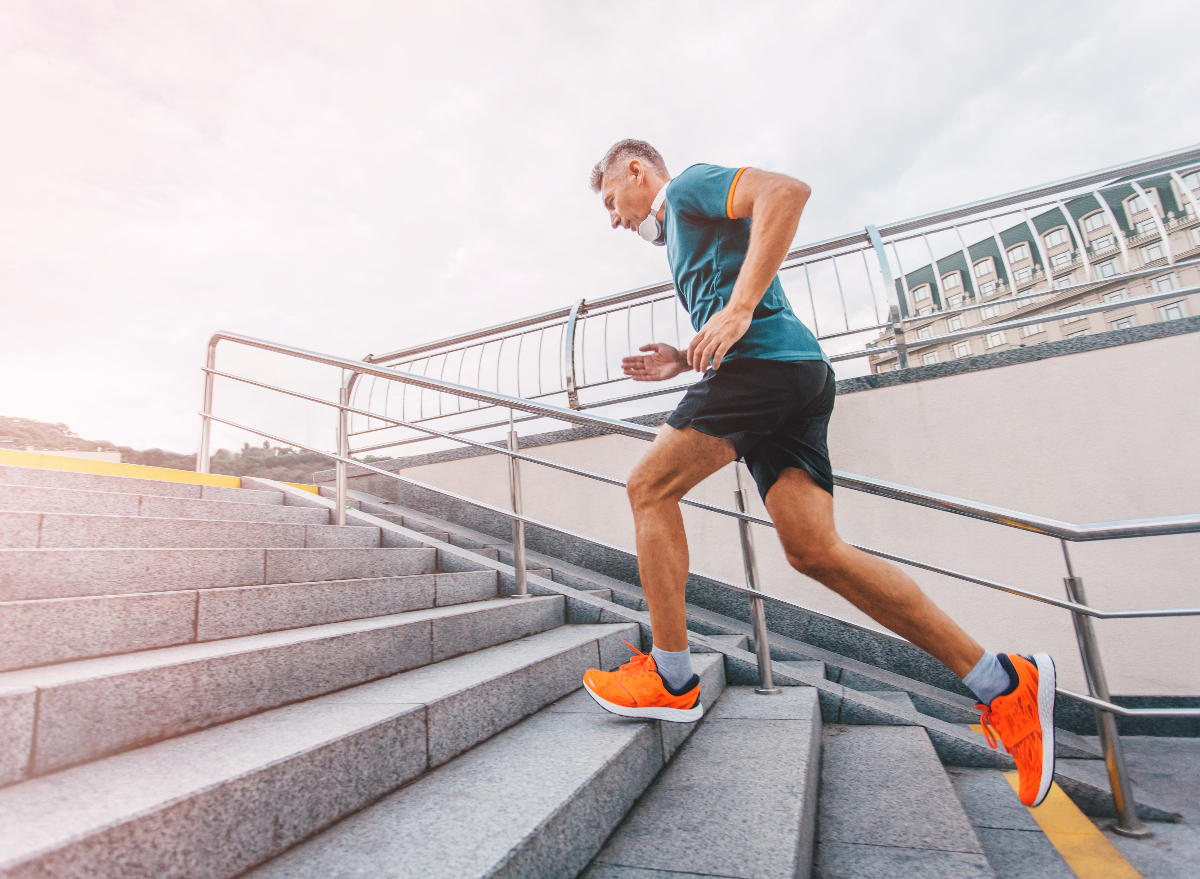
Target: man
766,397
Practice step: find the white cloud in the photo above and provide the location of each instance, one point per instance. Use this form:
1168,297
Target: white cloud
360,176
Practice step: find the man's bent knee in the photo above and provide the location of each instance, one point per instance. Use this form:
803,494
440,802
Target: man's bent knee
813,561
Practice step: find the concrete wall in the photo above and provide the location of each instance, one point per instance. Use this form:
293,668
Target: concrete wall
1102,434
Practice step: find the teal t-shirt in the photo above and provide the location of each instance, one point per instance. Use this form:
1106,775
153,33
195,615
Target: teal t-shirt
706,247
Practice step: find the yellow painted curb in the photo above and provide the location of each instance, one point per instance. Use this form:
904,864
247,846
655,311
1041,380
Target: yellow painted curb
111,468
1086,850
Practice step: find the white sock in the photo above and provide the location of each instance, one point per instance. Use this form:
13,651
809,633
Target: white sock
675,668
988,679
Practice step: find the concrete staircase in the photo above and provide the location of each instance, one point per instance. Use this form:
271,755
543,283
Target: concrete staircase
207,682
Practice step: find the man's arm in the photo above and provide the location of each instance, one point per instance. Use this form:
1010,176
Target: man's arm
775,201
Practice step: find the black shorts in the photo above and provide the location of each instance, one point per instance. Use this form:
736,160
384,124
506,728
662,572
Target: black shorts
775,412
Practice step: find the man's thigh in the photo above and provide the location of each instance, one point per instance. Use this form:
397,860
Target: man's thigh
801,510
678,460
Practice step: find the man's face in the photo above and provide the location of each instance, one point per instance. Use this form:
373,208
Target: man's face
627,196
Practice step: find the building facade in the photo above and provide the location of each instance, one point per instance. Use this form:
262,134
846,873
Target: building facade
1132,238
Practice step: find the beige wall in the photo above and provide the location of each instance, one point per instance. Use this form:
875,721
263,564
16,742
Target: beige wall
1096,436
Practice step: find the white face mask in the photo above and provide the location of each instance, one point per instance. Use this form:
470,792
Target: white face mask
650,228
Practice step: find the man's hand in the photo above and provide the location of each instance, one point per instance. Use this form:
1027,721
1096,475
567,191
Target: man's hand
662,363
717,336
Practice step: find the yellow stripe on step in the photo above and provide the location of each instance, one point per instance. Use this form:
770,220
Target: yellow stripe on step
112,468
1085,849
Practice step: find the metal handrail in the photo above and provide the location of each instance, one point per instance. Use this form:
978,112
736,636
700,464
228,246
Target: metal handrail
1082,613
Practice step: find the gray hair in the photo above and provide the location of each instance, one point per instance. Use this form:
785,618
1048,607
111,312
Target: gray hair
623,151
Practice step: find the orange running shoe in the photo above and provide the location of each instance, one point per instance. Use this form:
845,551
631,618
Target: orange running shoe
637,690
1023,718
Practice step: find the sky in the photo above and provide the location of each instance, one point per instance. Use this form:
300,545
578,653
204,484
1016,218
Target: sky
356,177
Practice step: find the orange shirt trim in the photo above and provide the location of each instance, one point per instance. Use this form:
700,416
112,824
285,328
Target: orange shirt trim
732,187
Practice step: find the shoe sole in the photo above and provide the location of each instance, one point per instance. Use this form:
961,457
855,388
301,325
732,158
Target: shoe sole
1045,697
670,715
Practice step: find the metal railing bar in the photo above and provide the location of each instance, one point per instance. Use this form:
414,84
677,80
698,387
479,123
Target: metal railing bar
1011,518
1022,521
1131,712
1122,711
1151,613
738,514
553,465
1030,320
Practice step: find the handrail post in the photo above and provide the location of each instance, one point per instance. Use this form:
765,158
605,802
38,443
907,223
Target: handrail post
518,527
343,447
203,458
762,645
1128,823
577,309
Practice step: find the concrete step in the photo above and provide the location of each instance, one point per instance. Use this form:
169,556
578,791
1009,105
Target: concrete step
212,804
739,799
1015,846
535,801
741,642
815,669
39,499
77,531
46,631
887,808
68,573
10,475
95,707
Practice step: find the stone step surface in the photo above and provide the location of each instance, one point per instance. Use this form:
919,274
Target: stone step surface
1015,846
40,499
46,631
21,530
95,707
212,804
738,800
69,573
10,475
887,808
535,801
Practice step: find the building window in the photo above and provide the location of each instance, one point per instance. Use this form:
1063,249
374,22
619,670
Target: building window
950,281
919,294
930,358
926,311
1115,296
1033,330
1136,205
1174,311
1071,320
1152,252
1095,221
1057,237
962,349
955,323
1100,245
983,267
1061,259
1023,275
1123,323
925,333
1145,227
1192,180
989,311
994,339
1018,253
1107,269
987,287
1165,283
1075,334
956,301
1065,281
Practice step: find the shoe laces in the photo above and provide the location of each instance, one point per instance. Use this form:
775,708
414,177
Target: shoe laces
985,720
639,664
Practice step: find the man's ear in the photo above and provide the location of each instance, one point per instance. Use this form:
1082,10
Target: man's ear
636,171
